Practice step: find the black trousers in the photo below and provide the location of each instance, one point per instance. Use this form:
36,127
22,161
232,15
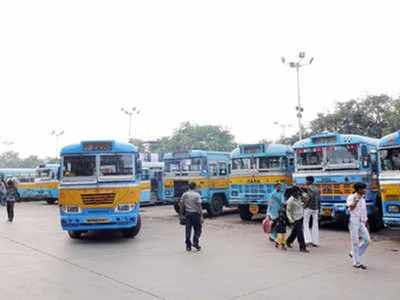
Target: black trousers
10,210
297,231
193,221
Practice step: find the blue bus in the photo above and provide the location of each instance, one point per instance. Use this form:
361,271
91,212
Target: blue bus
389,178
208,169
22,176
256,168
151,185
337,161
99,188
44,185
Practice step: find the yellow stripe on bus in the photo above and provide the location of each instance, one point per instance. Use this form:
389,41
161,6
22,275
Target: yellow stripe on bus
241,180
201,183
38,185
390,192
99,197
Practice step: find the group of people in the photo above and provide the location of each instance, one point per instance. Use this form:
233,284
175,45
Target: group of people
8,195
300,208
296,207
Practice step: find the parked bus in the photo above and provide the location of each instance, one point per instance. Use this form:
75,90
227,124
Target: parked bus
44,185
99,188
255,171
389,178
22,175
337,161
151,184
208,169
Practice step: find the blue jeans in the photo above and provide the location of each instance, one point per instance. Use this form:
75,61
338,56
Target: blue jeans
358,231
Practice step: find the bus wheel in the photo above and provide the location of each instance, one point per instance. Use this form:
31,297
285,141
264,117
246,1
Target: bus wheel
132,232
215,207
245,213
75,234
51,201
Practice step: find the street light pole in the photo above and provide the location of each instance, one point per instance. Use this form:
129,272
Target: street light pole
130,113
57,134
298,64
283,126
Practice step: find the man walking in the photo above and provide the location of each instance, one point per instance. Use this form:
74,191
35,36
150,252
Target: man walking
358,224
311,209
190,207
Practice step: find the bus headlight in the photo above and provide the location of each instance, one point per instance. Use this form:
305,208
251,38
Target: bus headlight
393,209
125,207
71,209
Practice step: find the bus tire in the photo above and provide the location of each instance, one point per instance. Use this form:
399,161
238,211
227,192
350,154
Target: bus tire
244,212
216,206
75,234
51,201
133,231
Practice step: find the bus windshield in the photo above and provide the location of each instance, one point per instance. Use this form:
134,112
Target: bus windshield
44,174
185,165
310,158
390,159
243,163
341,155
116,165
79,166
275,162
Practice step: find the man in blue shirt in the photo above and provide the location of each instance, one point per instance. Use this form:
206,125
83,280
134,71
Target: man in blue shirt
274,205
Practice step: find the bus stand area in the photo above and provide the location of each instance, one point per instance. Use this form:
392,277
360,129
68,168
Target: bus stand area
38,261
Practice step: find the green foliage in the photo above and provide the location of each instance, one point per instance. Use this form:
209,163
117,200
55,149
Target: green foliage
373,116
11,159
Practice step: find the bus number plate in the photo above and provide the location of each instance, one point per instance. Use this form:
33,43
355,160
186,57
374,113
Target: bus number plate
97,220
327,212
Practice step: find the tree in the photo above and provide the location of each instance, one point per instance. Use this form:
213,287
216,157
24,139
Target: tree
192,136
372,116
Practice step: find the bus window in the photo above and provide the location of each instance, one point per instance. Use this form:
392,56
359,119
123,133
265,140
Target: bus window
342,155
242,163
213,169
269,162
116,165
311,157
222,168
79,166
390,159
172,166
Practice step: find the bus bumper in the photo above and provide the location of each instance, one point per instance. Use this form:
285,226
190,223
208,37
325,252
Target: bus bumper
99,221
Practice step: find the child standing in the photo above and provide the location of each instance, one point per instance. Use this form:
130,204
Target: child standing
280,229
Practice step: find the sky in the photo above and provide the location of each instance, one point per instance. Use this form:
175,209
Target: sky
72,65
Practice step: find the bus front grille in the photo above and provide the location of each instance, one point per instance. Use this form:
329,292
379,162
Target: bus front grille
98,199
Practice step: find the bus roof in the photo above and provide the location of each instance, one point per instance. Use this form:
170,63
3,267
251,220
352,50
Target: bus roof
249,150
195,153
103,146
327,138
390,140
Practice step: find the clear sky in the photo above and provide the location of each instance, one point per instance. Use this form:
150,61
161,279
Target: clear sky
72,65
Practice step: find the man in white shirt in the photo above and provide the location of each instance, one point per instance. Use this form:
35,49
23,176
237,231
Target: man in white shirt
358,224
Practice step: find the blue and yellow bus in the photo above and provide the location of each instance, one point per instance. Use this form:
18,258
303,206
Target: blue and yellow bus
337,161
151,184
255,170
44,185
389,178
23,176
208,169
99,188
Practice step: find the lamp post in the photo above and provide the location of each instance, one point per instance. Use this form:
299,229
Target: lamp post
130,112
300,62
57,134
283,126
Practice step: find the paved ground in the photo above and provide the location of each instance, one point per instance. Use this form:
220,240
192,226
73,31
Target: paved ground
39,261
